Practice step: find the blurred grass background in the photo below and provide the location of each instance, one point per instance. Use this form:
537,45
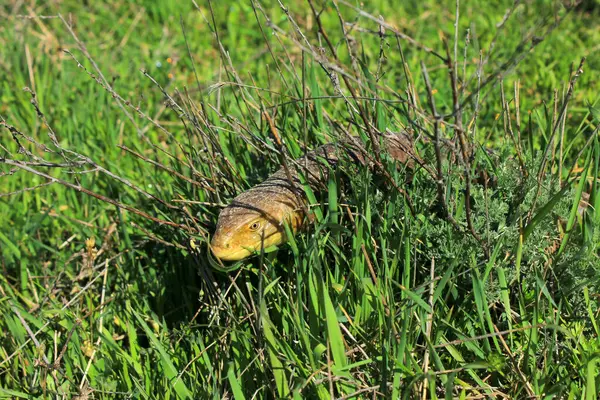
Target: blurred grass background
117,303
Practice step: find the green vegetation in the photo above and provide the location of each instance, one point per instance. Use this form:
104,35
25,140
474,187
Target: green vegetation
162,109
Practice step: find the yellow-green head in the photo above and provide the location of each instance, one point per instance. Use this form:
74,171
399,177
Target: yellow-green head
255,220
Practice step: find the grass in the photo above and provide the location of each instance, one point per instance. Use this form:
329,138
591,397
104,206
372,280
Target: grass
378,297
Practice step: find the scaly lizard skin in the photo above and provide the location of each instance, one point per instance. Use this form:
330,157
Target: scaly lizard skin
255,219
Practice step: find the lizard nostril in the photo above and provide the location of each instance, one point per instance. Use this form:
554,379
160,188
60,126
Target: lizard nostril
227,246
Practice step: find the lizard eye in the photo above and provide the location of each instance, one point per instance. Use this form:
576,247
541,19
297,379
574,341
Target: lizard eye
255,226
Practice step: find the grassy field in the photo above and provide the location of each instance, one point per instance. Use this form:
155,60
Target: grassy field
126,126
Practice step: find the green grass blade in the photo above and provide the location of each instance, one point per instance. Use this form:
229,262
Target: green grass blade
169,369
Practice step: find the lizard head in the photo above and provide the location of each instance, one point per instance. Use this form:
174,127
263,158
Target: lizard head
255,220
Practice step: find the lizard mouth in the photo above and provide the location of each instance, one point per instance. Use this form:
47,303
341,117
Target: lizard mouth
227,254
226,251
